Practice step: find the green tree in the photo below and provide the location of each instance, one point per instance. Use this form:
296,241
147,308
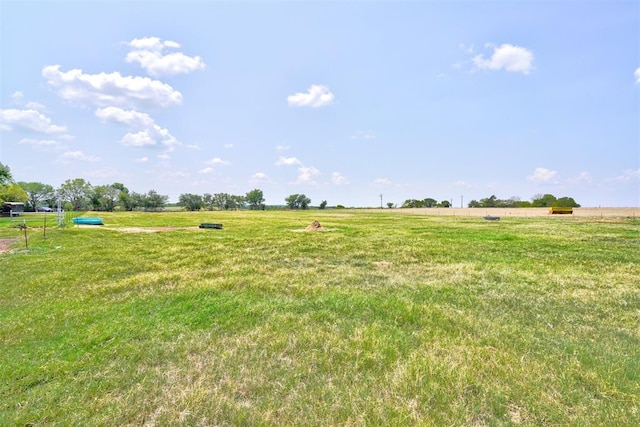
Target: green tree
154,201
323,204
298,201
13,193
37,192
77,192
191,202
224,201
543,201
412,203
566,202
430,203
390,205
255,199
5,175
105,197
292,201
444,204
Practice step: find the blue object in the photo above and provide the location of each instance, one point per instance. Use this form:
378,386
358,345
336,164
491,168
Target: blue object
88,221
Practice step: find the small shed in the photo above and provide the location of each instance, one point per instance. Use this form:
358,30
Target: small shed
12,208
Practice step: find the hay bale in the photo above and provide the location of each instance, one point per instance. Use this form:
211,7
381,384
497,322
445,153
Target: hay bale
314,226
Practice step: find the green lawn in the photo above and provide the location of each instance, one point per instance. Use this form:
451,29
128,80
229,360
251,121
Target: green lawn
383,319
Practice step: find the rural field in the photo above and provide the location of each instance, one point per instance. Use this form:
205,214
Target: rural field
381,317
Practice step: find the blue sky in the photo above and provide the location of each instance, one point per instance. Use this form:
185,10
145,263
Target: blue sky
341,101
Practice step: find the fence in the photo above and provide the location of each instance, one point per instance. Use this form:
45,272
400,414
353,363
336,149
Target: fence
40,219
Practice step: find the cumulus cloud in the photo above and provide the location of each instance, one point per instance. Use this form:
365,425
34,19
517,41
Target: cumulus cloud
228,146
206,170
217,161
79,155
637,75
128,118
338,179
306,175
282,147
110,89
506,57
151,136
28,120
150,53
543,176
149,133
288,161
316,96
259,178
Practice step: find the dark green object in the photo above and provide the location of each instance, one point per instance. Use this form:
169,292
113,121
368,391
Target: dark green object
210,225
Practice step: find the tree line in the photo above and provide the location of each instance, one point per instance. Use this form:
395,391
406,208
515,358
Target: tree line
78,195
537,201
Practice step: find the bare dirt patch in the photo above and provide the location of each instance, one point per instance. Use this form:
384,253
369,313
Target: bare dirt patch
383,265
5,245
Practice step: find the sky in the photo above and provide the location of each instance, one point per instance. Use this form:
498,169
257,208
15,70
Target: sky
358,103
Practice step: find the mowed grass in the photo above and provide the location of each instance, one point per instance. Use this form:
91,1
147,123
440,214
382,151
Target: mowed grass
383,319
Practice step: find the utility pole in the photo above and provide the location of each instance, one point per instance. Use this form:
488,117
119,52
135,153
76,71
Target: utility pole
381,202
461,201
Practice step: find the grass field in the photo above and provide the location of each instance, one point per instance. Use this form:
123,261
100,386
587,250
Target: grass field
381,319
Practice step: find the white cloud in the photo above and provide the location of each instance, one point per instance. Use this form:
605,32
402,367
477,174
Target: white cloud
363,134
28,120
110,89
543,176
462,183
316,96
637,75
382,182
141,160
17,97
259,178
507,57
138,139
288,161
306,175
206,170
35,106
338,179
104,173
282,147
217,161
228,145
79,155
149,133
584,177
130,118
40,143
149,52
628,175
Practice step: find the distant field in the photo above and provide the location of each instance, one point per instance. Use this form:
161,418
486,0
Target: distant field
523,212
384,317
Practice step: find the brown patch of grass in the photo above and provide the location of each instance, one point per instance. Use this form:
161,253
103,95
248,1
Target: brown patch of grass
5,245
